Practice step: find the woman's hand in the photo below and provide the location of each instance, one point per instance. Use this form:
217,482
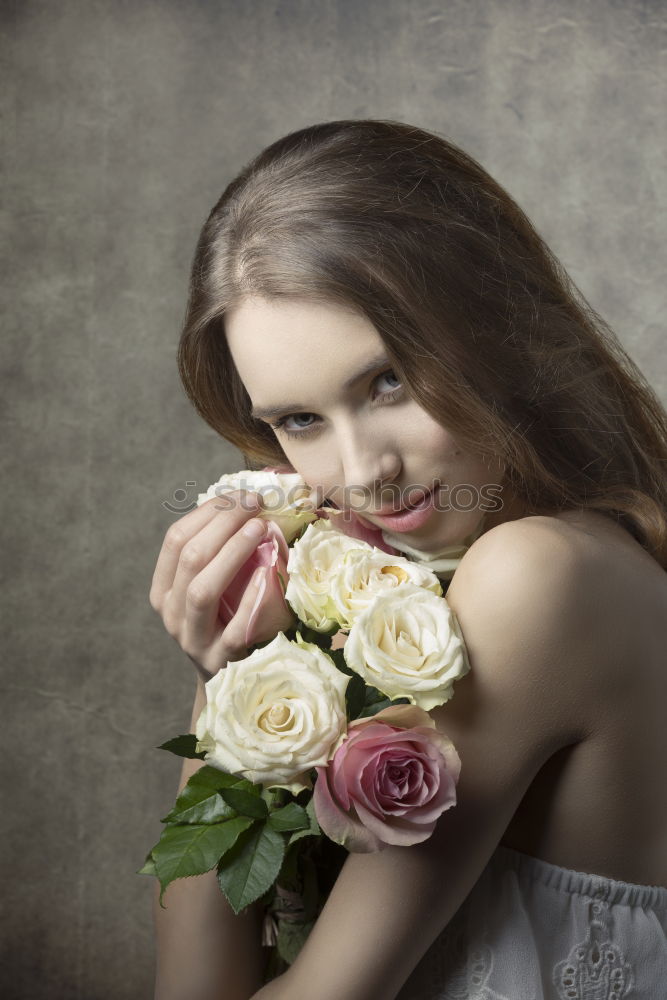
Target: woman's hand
201,555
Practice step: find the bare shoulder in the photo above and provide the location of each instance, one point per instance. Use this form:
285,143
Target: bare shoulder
592,587
509,549
528,572
522,598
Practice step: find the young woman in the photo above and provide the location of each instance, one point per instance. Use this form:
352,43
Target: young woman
371,309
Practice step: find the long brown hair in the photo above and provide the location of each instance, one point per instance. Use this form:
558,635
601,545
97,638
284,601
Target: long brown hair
483,324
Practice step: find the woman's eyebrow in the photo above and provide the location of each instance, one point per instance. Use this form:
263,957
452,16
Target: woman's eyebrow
276,411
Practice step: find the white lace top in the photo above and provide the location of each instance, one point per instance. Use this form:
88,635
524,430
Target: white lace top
530,930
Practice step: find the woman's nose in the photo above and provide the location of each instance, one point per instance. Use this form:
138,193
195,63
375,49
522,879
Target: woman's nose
368,466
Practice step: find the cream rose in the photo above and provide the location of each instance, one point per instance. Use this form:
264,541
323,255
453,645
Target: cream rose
408,644
364,573
285,497
274,715
314,562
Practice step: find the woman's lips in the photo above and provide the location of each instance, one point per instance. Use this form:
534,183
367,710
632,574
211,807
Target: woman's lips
409,519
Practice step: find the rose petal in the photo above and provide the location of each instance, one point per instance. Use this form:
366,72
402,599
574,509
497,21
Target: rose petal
405,716
339,826
393,833
272,553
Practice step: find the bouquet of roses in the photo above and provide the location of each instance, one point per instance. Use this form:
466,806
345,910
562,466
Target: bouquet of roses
313,751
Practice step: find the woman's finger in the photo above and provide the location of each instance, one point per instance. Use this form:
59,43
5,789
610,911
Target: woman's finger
200,550
200,595
179,533
183,531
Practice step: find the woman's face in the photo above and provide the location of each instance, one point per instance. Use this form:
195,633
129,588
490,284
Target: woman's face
319,375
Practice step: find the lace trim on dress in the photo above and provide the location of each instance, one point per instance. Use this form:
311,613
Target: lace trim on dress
531,930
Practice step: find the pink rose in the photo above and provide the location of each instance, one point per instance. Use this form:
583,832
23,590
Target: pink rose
270,613
388,782
349,524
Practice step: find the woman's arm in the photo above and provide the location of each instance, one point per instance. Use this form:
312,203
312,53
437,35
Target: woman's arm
524,611
204,951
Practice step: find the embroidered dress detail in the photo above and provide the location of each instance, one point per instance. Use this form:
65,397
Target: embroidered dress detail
470,970
531,930
596,968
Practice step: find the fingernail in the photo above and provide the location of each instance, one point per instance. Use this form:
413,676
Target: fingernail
254,528
253,500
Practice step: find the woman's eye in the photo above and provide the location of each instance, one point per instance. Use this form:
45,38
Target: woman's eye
391,376
298,430
291,424
300,421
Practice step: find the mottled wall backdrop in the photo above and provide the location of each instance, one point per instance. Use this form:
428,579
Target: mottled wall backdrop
125,118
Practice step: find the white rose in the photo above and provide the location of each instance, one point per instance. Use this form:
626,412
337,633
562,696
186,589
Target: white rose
275,714
408,644
365,573
313,563
285,497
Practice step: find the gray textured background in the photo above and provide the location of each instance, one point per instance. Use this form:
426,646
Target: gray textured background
124,121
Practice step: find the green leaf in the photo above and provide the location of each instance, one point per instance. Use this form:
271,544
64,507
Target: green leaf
313,829
251,866
314,825
276,798
193,849
290,817
376,701
200,800
374,695
338,656
288,876
355,696
356,690
148,867
183,746
246,802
